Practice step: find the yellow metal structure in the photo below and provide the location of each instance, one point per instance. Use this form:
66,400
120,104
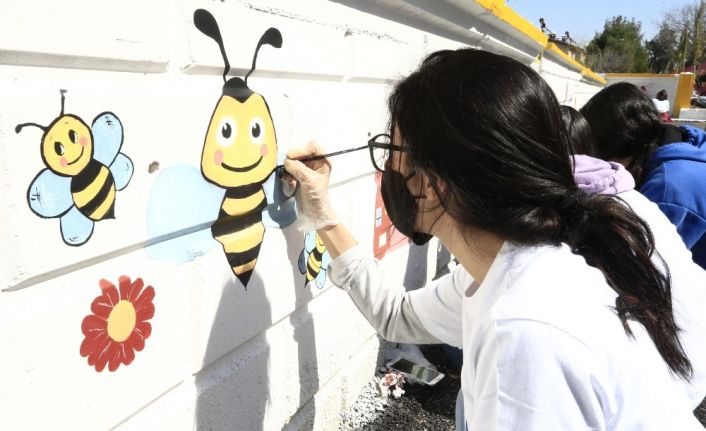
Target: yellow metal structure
507,15
683,97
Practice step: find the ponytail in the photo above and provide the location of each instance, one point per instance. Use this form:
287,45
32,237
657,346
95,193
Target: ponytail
612,238
499,142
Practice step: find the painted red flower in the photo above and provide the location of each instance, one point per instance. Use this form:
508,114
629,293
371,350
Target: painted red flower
117,328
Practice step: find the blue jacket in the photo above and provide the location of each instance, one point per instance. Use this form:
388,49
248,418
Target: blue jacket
676,181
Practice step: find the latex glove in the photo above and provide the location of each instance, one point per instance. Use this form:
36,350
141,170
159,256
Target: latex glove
315,211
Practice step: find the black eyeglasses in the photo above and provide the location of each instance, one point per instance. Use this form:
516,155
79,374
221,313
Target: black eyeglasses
381,147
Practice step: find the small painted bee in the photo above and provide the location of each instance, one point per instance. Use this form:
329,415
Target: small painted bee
239,155
314,259
84,170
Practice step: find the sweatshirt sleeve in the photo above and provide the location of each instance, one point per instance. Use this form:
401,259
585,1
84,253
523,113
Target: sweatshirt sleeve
396,315
691,226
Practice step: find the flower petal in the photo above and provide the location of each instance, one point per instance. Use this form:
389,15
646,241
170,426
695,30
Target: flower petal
129,354
144,328
136,340
145,312
110,291
146,297
125,286
93,324
101,307
92,343
114,356
137,286
98,357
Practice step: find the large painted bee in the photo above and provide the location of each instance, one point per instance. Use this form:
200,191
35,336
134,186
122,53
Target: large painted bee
239,155
236,194
84,171
314,259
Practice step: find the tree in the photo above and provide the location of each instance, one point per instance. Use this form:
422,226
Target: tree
618,48
688,23
662,50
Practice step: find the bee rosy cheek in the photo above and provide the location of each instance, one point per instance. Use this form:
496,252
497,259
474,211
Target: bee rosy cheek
63,162
263,150
83,141
218,157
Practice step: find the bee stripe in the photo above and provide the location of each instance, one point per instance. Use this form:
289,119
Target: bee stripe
317,254
314,265
86,177
238,259
240,206
227,223
93,189
242,240
248,267
106,208
101,204
244,278
311,273
241,192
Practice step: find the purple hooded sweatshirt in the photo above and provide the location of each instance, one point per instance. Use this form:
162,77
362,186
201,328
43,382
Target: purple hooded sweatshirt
596,176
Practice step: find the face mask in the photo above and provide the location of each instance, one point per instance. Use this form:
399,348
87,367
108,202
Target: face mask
401,206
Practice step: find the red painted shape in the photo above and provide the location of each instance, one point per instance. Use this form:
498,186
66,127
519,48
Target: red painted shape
97,344
385,236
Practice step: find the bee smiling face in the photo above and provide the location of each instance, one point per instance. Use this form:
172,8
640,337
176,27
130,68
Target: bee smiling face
240,146
67,146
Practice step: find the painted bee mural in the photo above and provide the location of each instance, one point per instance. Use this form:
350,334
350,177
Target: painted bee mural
242,194
314,259
239,154
84,171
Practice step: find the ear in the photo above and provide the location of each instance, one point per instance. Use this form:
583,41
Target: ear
434,189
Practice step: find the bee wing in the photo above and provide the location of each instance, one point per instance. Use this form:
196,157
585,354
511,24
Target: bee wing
325,260
49,195
181,208
122,170
310,240
320,278
76,228
302,261
281,210
107,137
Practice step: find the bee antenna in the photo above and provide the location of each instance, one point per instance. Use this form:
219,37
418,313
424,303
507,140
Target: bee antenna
271,37
63,98
206,23
19,127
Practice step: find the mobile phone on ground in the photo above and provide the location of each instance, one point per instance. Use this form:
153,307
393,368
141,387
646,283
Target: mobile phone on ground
415,372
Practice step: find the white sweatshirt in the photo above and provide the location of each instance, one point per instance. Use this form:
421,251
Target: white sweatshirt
543,349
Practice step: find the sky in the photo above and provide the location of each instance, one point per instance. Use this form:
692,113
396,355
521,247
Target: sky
583,18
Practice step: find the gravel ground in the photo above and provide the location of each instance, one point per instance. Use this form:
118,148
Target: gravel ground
420,408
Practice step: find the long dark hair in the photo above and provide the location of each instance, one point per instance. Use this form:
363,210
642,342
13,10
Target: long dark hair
625,124
492,129
579,131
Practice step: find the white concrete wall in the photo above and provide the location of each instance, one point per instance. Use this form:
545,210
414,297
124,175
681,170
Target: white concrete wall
278,354
652,84
568,85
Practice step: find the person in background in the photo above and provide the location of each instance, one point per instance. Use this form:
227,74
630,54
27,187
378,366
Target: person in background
580,135
667,162
661,103
564,319
595,176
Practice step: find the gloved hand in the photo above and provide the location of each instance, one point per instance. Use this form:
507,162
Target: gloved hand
315,211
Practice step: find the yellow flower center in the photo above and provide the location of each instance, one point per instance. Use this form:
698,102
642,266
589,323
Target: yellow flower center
121,321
